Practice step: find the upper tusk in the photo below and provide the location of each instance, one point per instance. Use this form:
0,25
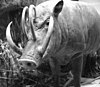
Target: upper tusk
42,49
23,20
32,15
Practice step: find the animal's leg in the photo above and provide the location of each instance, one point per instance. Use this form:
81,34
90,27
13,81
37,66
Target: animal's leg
76,70
55,70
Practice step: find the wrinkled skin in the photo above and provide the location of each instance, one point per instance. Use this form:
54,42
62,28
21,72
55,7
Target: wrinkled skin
76,31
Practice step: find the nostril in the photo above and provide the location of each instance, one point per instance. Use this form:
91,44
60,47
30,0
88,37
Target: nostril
29,64
21,64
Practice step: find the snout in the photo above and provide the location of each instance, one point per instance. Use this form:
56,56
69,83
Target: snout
28,64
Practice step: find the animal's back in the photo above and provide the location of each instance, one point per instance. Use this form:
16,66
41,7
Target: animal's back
83,24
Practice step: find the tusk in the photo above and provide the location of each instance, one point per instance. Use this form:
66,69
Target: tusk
23,20
42,49
10,41
32,15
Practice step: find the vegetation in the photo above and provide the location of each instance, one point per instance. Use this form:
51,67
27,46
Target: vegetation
12,75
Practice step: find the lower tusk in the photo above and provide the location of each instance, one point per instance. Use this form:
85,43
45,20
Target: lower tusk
10,41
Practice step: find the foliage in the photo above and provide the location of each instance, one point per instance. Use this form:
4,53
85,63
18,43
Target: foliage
12,75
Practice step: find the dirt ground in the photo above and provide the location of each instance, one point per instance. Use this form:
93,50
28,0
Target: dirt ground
95,83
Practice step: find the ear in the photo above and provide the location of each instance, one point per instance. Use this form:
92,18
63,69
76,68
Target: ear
58,8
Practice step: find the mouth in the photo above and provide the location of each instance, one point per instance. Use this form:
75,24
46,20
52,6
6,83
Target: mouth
30,62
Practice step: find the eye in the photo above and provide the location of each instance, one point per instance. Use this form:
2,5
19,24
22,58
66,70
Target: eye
41,24
47,22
